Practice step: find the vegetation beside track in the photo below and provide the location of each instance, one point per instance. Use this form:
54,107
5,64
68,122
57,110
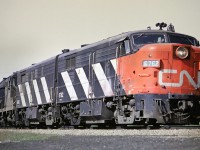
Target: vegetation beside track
8,136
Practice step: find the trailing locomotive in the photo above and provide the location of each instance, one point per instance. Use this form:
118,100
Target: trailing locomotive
147,77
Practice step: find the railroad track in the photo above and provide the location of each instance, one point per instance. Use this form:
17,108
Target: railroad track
149,127
180,127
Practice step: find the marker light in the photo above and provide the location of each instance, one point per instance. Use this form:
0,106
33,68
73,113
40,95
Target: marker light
182,52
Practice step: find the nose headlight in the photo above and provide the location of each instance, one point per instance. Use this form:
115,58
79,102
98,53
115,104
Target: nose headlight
182,52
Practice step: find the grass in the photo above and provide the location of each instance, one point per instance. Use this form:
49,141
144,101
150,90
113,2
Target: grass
14,136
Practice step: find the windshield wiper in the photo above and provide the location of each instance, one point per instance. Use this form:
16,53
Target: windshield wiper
190,41
138,36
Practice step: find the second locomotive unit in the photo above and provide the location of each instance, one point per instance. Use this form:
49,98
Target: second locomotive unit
148,77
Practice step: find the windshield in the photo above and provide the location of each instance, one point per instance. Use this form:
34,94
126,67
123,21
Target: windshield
182,39
143,38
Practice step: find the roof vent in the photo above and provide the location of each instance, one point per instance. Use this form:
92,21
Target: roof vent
148,28
171,28
84,45
65,50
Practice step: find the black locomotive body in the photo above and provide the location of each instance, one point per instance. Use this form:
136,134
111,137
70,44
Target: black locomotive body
70,88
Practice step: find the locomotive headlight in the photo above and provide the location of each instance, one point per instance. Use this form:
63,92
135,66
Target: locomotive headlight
151,63
182,52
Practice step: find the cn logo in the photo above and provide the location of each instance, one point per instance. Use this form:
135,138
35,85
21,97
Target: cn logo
180,83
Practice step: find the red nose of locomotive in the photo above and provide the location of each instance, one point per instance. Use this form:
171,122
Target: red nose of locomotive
161,69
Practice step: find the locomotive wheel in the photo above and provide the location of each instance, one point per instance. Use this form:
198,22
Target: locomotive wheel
166,126
3,124
32,127
155,126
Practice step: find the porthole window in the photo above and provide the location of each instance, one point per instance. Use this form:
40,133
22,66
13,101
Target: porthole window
70,63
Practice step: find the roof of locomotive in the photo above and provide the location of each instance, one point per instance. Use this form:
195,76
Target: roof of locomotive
36,65
114,39
110,41
158,31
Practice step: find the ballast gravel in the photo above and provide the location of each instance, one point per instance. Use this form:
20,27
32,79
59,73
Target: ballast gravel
109,132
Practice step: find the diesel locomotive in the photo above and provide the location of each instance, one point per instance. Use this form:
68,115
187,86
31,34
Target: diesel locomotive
147,77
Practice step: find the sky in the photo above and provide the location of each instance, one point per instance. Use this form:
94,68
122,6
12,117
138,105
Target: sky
34,30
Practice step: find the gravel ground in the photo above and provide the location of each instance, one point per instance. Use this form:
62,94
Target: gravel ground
107,139
108,132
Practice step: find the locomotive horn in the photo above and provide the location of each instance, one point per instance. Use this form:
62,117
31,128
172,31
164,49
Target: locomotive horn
161,25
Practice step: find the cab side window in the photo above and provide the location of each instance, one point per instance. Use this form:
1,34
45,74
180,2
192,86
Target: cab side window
127,46
123,48
23,78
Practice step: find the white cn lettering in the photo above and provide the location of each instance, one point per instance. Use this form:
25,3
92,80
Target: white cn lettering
180,83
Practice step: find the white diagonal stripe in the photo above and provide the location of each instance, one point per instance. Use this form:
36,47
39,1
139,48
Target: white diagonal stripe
106,87
22,95
45,88
84,82
37,92
28,90
69,85
114,64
